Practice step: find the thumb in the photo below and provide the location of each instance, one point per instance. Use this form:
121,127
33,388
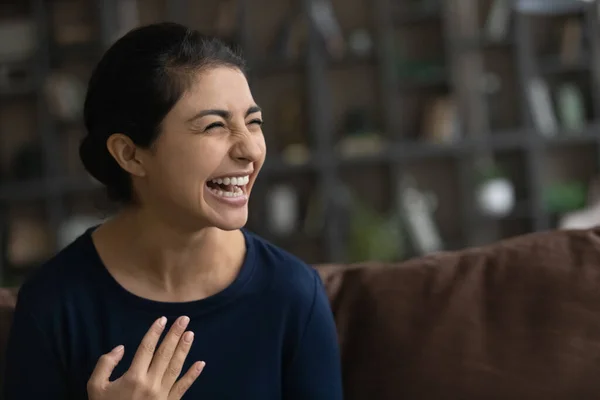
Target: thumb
105,366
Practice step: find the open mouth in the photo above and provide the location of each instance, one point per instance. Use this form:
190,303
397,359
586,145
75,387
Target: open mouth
234,186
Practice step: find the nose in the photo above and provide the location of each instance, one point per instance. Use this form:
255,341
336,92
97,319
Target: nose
247,148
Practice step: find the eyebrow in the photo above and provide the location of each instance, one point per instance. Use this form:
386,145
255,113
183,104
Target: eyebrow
224,113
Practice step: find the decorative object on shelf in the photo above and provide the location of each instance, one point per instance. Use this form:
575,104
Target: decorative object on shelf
564,197
497,25
291,140
431,70
571,48
291,38
373,237
550,7
491,83
571,108
583,217
360,43
71,228
29,241
441,123
495,192
540,102
323,16
360,137
66,94
22,43
296,154
417,209
70,23
16,78
28,163
282,210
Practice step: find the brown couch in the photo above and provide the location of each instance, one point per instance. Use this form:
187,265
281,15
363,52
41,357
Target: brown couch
517,320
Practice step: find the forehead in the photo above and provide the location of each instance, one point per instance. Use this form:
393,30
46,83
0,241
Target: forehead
217,88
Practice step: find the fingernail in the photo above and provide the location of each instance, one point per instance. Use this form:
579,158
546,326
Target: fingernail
118,349
188,337
183,321
162,321
200,366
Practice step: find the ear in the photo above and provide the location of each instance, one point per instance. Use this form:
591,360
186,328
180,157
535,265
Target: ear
126,153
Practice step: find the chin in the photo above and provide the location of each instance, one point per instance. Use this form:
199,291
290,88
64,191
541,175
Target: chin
230,221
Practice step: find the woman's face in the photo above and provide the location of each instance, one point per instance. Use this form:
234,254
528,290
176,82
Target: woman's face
206,159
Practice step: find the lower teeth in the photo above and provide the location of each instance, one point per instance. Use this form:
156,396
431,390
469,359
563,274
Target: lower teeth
237,192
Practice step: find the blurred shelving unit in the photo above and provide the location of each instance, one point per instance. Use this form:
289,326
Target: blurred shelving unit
392,126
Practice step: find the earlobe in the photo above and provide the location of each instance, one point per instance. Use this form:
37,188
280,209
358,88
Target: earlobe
125,152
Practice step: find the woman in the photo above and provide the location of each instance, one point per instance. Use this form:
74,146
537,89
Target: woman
175,135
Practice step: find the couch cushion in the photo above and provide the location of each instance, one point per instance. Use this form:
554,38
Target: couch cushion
516,320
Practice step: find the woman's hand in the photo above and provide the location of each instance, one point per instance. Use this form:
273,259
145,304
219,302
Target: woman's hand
151,376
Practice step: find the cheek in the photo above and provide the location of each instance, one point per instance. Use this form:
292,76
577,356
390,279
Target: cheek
185,167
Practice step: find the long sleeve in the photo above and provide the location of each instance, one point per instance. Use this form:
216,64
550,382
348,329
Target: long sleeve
32,369
315,372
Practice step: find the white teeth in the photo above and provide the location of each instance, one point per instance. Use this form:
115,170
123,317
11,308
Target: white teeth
235,181
237,192
234,184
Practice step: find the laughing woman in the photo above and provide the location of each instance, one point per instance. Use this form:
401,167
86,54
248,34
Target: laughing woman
172,297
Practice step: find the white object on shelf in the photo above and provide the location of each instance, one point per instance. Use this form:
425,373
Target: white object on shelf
282,210
542,108
66,95
496,197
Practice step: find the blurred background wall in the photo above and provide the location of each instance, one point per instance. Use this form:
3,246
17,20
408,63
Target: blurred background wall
395,127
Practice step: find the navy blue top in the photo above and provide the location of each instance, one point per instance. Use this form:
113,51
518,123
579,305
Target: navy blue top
269,335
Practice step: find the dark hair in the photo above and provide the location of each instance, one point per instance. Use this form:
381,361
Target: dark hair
133,87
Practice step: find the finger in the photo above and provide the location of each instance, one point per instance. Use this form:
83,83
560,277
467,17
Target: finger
186,381
165,352
176,364
105,366
145,351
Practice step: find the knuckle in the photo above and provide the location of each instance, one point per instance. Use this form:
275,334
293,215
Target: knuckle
162,352
134,379
156,330
150,391
173,370
148,347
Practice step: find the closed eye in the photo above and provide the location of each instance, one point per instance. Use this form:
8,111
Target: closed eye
257,121
214,125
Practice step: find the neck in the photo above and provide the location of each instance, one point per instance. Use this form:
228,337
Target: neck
168,259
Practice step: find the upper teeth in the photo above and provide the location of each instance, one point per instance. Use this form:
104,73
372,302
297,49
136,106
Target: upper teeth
235,181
